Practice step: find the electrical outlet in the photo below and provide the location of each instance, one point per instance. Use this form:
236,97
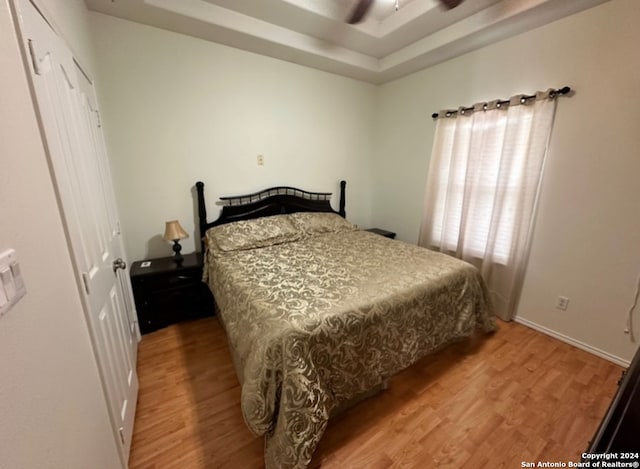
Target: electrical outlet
260,160
562,303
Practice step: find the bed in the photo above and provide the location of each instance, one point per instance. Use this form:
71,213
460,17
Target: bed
319,313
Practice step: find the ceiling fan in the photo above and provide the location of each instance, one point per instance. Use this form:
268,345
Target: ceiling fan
362,7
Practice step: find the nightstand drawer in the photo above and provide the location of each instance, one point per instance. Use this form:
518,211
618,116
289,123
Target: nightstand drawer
168,306
161,282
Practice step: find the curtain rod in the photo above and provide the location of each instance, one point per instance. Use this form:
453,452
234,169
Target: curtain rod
552,94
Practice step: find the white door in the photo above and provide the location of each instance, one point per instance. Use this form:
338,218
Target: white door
91,117
66,105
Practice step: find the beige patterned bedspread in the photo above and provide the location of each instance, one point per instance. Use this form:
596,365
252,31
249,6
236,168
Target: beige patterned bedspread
315,322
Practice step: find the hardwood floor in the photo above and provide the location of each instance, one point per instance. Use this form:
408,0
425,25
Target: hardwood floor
516,395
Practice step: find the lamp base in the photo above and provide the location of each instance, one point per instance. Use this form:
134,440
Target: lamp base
177,257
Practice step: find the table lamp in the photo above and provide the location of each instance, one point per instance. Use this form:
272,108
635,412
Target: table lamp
174,232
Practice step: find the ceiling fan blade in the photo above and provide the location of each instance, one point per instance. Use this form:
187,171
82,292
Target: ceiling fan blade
449,4
361,9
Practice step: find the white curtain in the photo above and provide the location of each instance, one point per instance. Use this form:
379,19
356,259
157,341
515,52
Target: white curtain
482,187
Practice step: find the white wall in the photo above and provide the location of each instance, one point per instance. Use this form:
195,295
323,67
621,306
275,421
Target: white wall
52,408
179,109
587,239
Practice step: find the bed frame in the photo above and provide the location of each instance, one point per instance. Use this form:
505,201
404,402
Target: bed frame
272,201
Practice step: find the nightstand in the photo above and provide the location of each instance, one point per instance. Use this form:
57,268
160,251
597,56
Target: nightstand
166,293
381,232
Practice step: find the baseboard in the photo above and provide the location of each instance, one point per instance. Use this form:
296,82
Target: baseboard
572,341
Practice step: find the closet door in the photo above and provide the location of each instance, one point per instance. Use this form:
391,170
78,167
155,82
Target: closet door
73,139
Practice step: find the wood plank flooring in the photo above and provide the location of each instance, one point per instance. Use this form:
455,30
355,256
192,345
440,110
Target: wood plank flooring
493,402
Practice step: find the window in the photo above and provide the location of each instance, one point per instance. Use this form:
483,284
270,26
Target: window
482,186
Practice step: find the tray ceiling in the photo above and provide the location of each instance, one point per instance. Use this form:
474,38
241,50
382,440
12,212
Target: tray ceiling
387,45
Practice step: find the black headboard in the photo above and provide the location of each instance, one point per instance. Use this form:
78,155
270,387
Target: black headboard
272,201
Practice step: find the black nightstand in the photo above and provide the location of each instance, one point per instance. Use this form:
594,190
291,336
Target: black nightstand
166,292
381,232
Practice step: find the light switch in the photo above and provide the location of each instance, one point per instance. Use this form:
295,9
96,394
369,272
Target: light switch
7,282
17,276
3,298
12,286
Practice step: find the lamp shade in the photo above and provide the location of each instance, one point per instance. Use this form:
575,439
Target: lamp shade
173,231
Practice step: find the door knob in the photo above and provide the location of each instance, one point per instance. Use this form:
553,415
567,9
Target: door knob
119,264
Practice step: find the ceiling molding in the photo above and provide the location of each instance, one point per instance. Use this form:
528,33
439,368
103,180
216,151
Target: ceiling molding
386,46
